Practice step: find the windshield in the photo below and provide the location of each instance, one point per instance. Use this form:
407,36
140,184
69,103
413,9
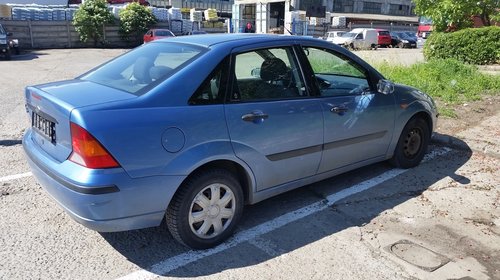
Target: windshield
349,35
410,34
403,35
1,30
144,66
425,21
165,33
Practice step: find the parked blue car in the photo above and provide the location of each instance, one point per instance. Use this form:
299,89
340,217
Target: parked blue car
192,128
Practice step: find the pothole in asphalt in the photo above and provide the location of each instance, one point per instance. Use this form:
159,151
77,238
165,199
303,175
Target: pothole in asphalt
417,255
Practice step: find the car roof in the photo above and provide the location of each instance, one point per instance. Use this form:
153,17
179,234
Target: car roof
210,40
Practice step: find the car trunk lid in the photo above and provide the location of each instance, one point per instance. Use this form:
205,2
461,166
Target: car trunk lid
50,105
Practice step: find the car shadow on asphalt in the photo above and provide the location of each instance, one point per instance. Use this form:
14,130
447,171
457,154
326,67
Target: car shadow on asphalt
8,143
28,55
151,249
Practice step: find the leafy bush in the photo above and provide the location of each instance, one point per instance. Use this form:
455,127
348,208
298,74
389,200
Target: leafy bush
90,18
474,45
448,80
135,20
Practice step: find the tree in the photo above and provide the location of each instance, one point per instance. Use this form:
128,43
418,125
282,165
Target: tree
135,20
90,18
457,14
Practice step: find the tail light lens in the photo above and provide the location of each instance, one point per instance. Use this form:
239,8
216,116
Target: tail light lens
87,151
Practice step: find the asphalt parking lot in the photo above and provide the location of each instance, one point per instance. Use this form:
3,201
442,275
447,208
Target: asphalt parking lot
440,220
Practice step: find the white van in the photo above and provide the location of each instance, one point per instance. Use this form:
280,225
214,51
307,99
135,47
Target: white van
358,39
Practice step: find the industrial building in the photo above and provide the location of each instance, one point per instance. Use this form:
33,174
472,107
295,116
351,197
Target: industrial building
293,16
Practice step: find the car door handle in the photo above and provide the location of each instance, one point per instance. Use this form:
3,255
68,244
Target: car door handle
256,117
339,110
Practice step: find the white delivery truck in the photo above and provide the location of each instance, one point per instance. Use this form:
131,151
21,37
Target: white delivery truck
358,39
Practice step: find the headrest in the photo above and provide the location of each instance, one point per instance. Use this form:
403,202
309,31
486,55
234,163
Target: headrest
273,69
141,70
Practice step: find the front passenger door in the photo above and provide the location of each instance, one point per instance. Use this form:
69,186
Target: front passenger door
359,121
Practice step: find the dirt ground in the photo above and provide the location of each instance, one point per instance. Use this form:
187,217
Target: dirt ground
468,114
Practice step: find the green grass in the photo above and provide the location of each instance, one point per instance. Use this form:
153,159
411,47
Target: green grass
448,80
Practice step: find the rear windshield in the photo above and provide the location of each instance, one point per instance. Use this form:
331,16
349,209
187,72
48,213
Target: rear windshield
144,66
384,33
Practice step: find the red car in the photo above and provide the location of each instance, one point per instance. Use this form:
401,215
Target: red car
384,38
155,34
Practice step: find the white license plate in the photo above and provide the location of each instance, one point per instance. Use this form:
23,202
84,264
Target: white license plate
44,126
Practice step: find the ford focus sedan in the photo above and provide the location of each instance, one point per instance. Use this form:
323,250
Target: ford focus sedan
191,129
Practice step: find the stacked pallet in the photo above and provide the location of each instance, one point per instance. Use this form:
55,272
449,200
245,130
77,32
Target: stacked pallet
317,21
23,13
161,14
174,14
195,15
70,13
211,15
187,26
58,14
176,27
5,11
339,22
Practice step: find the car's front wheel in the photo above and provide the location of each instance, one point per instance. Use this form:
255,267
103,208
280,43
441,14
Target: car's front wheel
206,209
412,144
7,55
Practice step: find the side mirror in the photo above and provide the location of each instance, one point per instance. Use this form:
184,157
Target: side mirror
324,84
385,87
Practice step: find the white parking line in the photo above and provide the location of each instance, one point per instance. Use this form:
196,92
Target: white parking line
16,176
181,260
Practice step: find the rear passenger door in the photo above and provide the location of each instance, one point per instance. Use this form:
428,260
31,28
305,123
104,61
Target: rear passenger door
275,127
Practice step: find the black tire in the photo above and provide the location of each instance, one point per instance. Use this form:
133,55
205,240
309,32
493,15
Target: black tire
412,144
196,191
8,55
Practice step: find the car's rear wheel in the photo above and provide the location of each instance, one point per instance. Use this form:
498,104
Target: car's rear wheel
206,209
412,144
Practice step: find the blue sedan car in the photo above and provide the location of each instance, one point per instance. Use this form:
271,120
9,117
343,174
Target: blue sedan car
191,129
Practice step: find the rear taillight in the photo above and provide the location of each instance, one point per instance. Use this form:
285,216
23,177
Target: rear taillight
87,151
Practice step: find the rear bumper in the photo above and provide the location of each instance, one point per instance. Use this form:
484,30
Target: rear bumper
104,200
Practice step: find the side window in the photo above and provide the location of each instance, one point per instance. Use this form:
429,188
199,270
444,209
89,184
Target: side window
267,74
336,74
212,89
359,36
